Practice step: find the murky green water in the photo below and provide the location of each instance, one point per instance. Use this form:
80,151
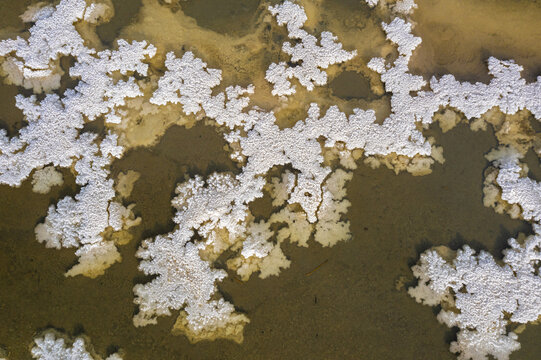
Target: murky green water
348,308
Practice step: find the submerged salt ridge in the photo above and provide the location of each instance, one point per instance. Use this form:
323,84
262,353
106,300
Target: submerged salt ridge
309,201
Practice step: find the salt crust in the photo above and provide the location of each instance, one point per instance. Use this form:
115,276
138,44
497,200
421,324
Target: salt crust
403,7
259,253
188,81
44,179
263,144
507,90
184,280
473,280
227,109
482,296
218,207
371,3
308,56
53,136
33,63
80,222
508,189
54,122
189,77
53,345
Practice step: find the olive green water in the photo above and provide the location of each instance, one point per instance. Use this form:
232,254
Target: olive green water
350,307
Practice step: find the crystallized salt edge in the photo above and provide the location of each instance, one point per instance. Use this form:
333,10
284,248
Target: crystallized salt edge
53,345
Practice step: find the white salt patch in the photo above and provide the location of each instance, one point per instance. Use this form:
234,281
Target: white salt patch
189,78
53,35
514,188
53,136
49,138
404,6
265,145
80,221
371,3
507,90
487,296
185,281
99,93
44,179
259,253
308,56
50,345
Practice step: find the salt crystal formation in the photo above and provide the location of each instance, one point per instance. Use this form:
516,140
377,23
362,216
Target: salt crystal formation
308,56
53,345
371,3
304,168
44,179
184,279
481,296
53,134
478,295
217,208
508,189
80,222
403,7
412,106
34,63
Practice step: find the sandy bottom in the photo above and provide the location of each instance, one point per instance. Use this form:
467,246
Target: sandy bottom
351,306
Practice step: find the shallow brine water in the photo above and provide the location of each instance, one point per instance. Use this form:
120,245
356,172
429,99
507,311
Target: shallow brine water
348,301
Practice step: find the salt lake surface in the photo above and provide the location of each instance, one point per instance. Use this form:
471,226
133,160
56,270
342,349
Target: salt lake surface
348,301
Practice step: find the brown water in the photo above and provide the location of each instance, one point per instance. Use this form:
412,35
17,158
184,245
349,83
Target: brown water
348,308
458,36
